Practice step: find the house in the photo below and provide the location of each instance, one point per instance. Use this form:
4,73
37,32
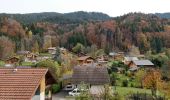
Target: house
135,64
112,53
28,56
11,61
90,74
117,56
128,59
24,83
52,50
31,57
85,60
102,59
24,53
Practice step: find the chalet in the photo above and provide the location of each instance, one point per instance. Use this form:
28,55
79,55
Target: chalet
135,64
10,62
31,57
90,74
127,59
24,83
85,60
102,59
52,50
28,56
117,56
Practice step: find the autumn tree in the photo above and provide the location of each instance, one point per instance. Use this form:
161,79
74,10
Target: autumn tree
47,42
134,51
7,47
35,47
152,80
53,67
139,75
143,43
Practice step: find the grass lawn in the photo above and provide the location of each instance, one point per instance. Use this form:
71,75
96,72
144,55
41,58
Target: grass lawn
123,91
45,54
2,63
27,64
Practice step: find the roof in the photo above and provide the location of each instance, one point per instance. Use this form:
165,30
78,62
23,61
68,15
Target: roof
143,62
9,58
84,58
112,53
20,84
130,58
94,75
52,48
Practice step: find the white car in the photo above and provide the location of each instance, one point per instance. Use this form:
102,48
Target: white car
69,87
75,92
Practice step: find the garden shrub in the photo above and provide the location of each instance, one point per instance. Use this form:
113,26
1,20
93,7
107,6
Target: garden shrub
125,83
56,88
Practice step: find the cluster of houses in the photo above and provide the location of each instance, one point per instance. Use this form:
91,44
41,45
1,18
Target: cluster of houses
31,83
133,62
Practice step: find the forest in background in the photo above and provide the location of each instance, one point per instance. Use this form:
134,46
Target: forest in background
37,32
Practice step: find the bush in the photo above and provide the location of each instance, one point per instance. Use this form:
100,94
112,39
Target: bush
125,83
56,88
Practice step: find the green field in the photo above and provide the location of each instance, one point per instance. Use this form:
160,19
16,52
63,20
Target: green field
123,91
27,64
2,63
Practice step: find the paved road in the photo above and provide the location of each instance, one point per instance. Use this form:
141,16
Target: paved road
61,96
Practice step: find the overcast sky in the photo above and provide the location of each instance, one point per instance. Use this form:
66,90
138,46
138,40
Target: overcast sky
110,7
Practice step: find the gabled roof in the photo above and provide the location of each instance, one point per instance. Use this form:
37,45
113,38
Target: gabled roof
84,58
20,84
130,58
94,75
14,57
143,62
52,48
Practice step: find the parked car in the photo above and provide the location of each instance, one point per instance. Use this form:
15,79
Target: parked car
75,92
69,87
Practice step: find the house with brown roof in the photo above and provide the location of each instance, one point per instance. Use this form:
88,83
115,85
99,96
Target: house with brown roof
85,60
136,64
24,83
11,61
128,59
117,56
52,50
90,74
31,57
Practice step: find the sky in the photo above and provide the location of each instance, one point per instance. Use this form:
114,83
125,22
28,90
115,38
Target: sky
110,7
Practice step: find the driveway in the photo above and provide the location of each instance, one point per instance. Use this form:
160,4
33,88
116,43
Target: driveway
61,96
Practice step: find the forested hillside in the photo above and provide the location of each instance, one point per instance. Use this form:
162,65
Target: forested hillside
163,15
37,32
74,17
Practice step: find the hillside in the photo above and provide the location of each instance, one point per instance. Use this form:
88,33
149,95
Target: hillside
163,15
74,17
144,31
